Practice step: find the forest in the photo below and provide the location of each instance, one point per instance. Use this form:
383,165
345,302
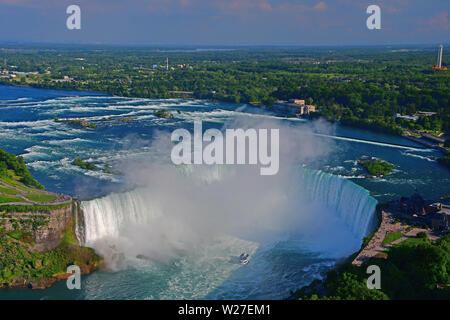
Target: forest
12,166
363,87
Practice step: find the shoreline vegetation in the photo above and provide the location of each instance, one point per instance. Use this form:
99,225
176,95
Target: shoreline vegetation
24,266
415,268
446,159
412,269
37,237
362,87
374,125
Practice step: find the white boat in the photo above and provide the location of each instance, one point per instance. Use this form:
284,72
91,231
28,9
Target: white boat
243,258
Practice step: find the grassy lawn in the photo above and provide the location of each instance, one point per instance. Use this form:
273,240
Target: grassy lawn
16,184
391,237
40,197
6,199
8,190
412,242
32,207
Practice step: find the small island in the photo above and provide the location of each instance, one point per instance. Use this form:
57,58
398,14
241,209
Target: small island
84,164
163,113
92,166
377,168
78,123
125,119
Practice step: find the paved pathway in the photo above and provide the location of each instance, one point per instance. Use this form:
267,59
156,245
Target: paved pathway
388,225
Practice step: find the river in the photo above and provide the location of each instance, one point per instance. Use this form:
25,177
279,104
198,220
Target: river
155,249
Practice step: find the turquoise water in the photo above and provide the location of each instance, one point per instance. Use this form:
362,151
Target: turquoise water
200,269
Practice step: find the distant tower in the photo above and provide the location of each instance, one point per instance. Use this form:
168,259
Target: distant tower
438,65
441,49
167,63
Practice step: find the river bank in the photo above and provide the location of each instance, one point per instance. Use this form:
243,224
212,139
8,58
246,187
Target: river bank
374,128
37,231
411,238
38,246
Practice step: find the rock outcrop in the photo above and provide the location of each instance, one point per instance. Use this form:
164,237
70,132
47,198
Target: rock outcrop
46,227
37,246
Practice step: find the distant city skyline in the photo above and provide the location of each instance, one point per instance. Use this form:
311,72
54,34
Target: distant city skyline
226,22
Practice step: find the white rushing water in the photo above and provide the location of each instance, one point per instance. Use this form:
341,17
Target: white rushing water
105,217
134,224
351,202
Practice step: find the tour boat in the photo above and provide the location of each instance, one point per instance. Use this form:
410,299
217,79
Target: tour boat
243,258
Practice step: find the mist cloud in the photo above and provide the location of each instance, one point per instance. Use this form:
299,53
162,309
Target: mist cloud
176,209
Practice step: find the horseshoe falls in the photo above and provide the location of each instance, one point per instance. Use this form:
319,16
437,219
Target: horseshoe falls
351,202
104,217
133,231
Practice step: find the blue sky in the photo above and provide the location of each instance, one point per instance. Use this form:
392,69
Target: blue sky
227,22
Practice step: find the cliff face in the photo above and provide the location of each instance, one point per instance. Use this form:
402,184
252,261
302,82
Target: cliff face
48,236
47,228
37,246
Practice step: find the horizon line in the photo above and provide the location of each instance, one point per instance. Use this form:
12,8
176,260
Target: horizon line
211,45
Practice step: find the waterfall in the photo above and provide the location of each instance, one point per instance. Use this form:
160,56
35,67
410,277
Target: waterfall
351,202
104,217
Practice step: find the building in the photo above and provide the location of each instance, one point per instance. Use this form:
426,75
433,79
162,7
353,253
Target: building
417,211
296,102
308,109
413,118
440,216
20,73
65,79
426,114
415,205
416,116
295,107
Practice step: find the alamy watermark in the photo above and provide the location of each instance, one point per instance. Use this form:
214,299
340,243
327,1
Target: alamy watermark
374,280
74,20
239,146
374,20
74,281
